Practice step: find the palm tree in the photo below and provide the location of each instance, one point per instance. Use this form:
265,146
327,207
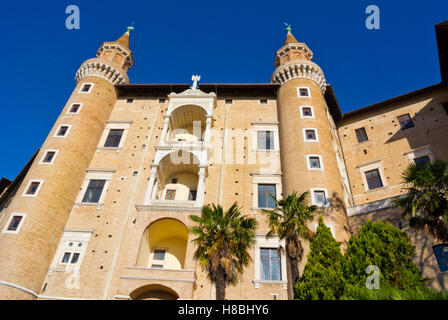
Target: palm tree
426,203
288,221
223,240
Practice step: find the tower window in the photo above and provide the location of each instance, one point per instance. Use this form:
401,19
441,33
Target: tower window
114,138
129,100
15,223
307,112
94,191
374,179
265,140
265,194
270,264
314,162
405,122
48,157
319,197
32,189
303,92
425,160
74,108
263,101
361,135
170,194
310,135
162,100
441,253
86,88
62,131
228,101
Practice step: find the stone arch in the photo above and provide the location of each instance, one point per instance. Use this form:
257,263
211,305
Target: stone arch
169,235
154,292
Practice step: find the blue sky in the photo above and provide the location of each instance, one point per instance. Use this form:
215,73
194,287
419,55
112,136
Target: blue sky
223,41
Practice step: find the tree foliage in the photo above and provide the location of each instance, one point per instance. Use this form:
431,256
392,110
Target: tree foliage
323,277
223,240
426,202
386,247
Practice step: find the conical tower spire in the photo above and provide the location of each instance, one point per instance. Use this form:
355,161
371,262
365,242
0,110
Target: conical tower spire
124,39
289,36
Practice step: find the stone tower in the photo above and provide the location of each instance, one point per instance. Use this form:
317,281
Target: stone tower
26,255
311,158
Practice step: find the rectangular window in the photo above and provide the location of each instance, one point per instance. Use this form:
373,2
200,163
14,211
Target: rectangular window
192,195
319,197
405,122
129,100
228,101
174,181
361,135
374,179
75,258
62,131
422,160
265,140
441,253
66,257
270,264
170,194
314,162
310,135
48,158
32,189
75,108
265,191
162,100
15,223
158,258
263,101
86,88
445,106
94,191
114,138
307,112
303,92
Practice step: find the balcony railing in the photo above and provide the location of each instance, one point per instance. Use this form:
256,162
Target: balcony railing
173,203
184,144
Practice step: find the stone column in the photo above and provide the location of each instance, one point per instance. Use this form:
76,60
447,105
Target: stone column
166,124
149,190
201,187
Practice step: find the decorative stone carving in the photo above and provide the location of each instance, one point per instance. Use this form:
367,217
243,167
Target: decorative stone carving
93,68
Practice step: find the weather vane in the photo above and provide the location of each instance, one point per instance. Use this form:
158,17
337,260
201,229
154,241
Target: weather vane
131,27
288,27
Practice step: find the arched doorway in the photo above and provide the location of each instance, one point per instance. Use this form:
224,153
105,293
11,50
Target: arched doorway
154,292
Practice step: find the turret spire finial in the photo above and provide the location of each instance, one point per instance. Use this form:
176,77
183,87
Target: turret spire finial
288,27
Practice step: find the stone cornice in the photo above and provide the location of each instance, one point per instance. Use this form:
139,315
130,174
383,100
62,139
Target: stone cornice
299,69
101,68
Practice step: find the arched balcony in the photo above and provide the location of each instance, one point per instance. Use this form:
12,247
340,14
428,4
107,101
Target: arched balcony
164,245
187,125
176,181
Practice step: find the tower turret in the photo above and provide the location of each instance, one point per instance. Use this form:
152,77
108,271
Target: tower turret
33,223
308,137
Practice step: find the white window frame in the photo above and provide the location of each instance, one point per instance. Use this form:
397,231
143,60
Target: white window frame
59,128
304,135
308,163
418,153
56,151
95,174
313,199
372,165
76,236
162,262
79,109
265,178
115,125
24,194
265,126
270,243
14,214
82,86
302,116
307,88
